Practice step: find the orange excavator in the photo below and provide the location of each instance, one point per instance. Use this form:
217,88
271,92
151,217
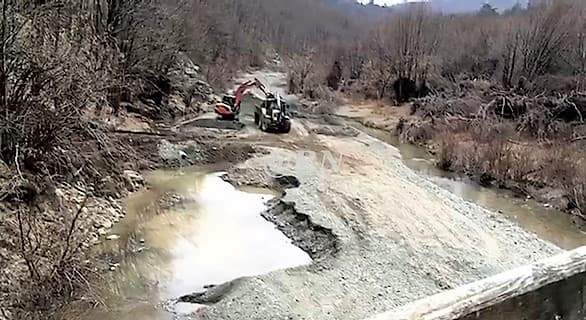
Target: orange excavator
229,108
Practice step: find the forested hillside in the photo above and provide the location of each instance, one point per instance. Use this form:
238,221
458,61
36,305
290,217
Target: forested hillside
455,6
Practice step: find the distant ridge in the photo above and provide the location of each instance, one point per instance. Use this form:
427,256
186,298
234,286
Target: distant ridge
456,6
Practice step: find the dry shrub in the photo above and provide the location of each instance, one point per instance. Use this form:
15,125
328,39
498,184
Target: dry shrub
54,259
55,67
523,164
218,74
334,76
447,152
483,149
418,133
561,165
487,130
436,106
301,74
489,150
307,78
577,194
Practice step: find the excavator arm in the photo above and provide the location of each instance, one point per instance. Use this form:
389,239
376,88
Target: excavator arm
241,90
226,111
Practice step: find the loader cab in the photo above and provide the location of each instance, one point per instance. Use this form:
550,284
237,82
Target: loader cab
276,103
272,114
229,100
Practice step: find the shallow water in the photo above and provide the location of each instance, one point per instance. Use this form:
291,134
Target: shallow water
547,223
214,235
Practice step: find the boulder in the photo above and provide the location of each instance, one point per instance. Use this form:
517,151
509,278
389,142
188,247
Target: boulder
5,171
103,224
134,180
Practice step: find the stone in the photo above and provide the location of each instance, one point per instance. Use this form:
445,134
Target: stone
287,182
134,179
176,102
104,224
191,71
113,237
58,192
5,171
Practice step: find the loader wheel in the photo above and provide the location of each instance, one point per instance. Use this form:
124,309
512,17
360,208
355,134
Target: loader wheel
286,128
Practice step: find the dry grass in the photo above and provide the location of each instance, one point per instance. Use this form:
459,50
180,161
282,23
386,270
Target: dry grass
499,158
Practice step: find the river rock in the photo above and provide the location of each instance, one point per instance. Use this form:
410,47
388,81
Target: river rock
212,295
113,237
133,179
5,314
4,170
287,182
59,192
191,71
103,224
168,151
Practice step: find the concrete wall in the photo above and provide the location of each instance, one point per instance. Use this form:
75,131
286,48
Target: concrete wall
552,289
563,300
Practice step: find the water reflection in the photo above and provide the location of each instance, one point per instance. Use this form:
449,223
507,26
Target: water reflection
212,235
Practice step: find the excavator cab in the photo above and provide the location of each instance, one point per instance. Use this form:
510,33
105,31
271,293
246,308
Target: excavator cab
229,100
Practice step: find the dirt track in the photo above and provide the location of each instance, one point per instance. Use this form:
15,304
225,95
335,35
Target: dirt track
398,237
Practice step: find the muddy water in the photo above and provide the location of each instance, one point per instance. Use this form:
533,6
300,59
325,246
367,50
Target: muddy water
547,223
211,234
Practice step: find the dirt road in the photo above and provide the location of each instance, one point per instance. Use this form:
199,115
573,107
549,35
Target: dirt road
380,234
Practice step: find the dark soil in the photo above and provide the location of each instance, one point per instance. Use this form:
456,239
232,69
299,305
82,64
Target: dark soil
319,242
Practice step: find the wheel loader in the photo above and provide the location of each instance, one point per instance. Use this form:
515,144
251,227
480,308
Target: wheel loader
272,115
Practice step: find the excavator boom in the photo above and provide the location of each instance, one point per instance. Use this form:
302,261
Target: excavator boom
230,112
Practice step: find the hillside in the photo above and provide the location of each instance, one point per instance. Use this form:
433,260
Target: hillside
456,6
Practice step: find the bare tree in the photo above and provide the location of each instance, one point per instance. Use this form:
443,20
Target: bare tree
401,51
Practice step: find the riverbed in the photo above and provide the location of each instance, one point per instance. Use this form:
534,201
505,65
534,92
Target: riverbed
400,229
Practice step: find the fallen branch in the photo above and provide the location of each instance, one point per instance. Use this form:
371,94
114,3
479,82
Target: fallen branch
69,235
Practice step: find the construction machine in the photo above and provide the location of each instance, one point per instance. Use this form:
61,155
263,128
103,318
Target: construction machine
272,114
229,108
